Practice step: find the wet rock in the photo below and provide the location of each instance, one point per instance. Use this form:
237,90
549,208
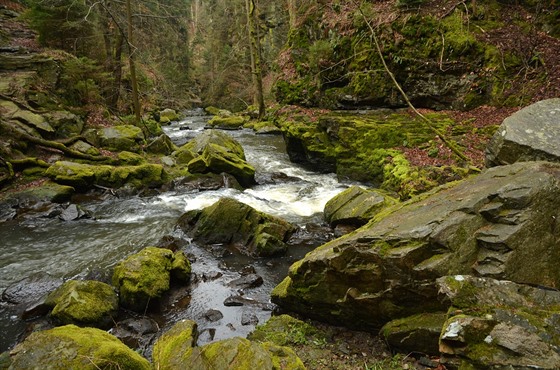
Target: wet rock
247,270
31,288
501,224
418,333
213,315
212,275
249,318
208,181
496,324
71,347
355,206
146,275
239,300
137,333
275,178
215,151
531,134
231,222
311,235
246,282
74,212
84,303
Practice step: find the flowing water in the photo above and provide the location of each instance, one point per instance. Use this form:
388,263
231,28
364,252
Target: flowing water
122,226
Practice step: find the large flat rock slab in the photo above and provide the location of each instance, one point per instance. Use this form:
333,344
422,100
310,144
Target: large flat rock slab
501,224
532,134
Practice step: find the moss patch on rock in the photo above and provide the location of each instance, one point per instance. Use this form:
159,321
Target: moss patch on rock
84,303
71,347
145,276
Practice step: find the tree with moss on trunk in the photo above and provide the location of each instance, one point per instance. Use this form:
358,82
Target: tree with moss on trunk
255,51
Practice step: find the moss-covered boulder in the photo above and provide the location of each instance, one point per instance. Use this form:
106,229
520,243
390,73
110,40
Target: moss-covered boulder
355,206
495,324
71,347
168,115
84,303
176,350
531,134
231,222
175,346
497,224
216,152
161,145
84,176
124,137
227,123
419,333
145,276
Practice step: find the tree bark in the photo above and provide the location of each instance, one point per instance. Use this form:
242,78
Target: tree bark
255,51
133,80
292,13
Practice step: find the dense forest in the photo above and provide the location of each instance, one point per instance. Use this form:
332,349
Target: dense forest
416,205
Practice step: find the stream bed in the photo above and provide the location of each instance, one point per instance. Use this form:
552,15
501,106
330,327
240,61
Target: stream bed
89,248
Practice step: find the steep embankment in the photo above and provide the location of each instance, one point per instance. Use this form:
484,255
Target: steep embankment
445,54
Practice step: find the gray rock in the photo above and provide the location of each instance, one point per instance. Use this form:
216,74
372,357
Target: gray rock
247,281
532,134
213,315
249,318
501,224
355,206
418,333
31,288
497,324
74,212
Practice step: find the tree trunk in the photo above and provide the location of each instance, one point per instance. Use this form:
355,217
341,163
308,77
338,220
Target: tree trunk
292,12
255,51
133,80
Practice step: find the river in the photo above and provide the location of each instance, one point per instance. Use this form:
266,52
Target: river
122,226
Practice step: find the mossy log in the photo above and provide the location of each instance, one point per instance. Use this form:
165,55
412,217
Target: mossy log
28,162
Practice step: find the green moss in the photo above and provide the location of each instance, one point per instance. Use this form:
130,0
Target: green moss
284,330
91,303
175,346
228,123
71,347
180,267
281,290
129,158
143,277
